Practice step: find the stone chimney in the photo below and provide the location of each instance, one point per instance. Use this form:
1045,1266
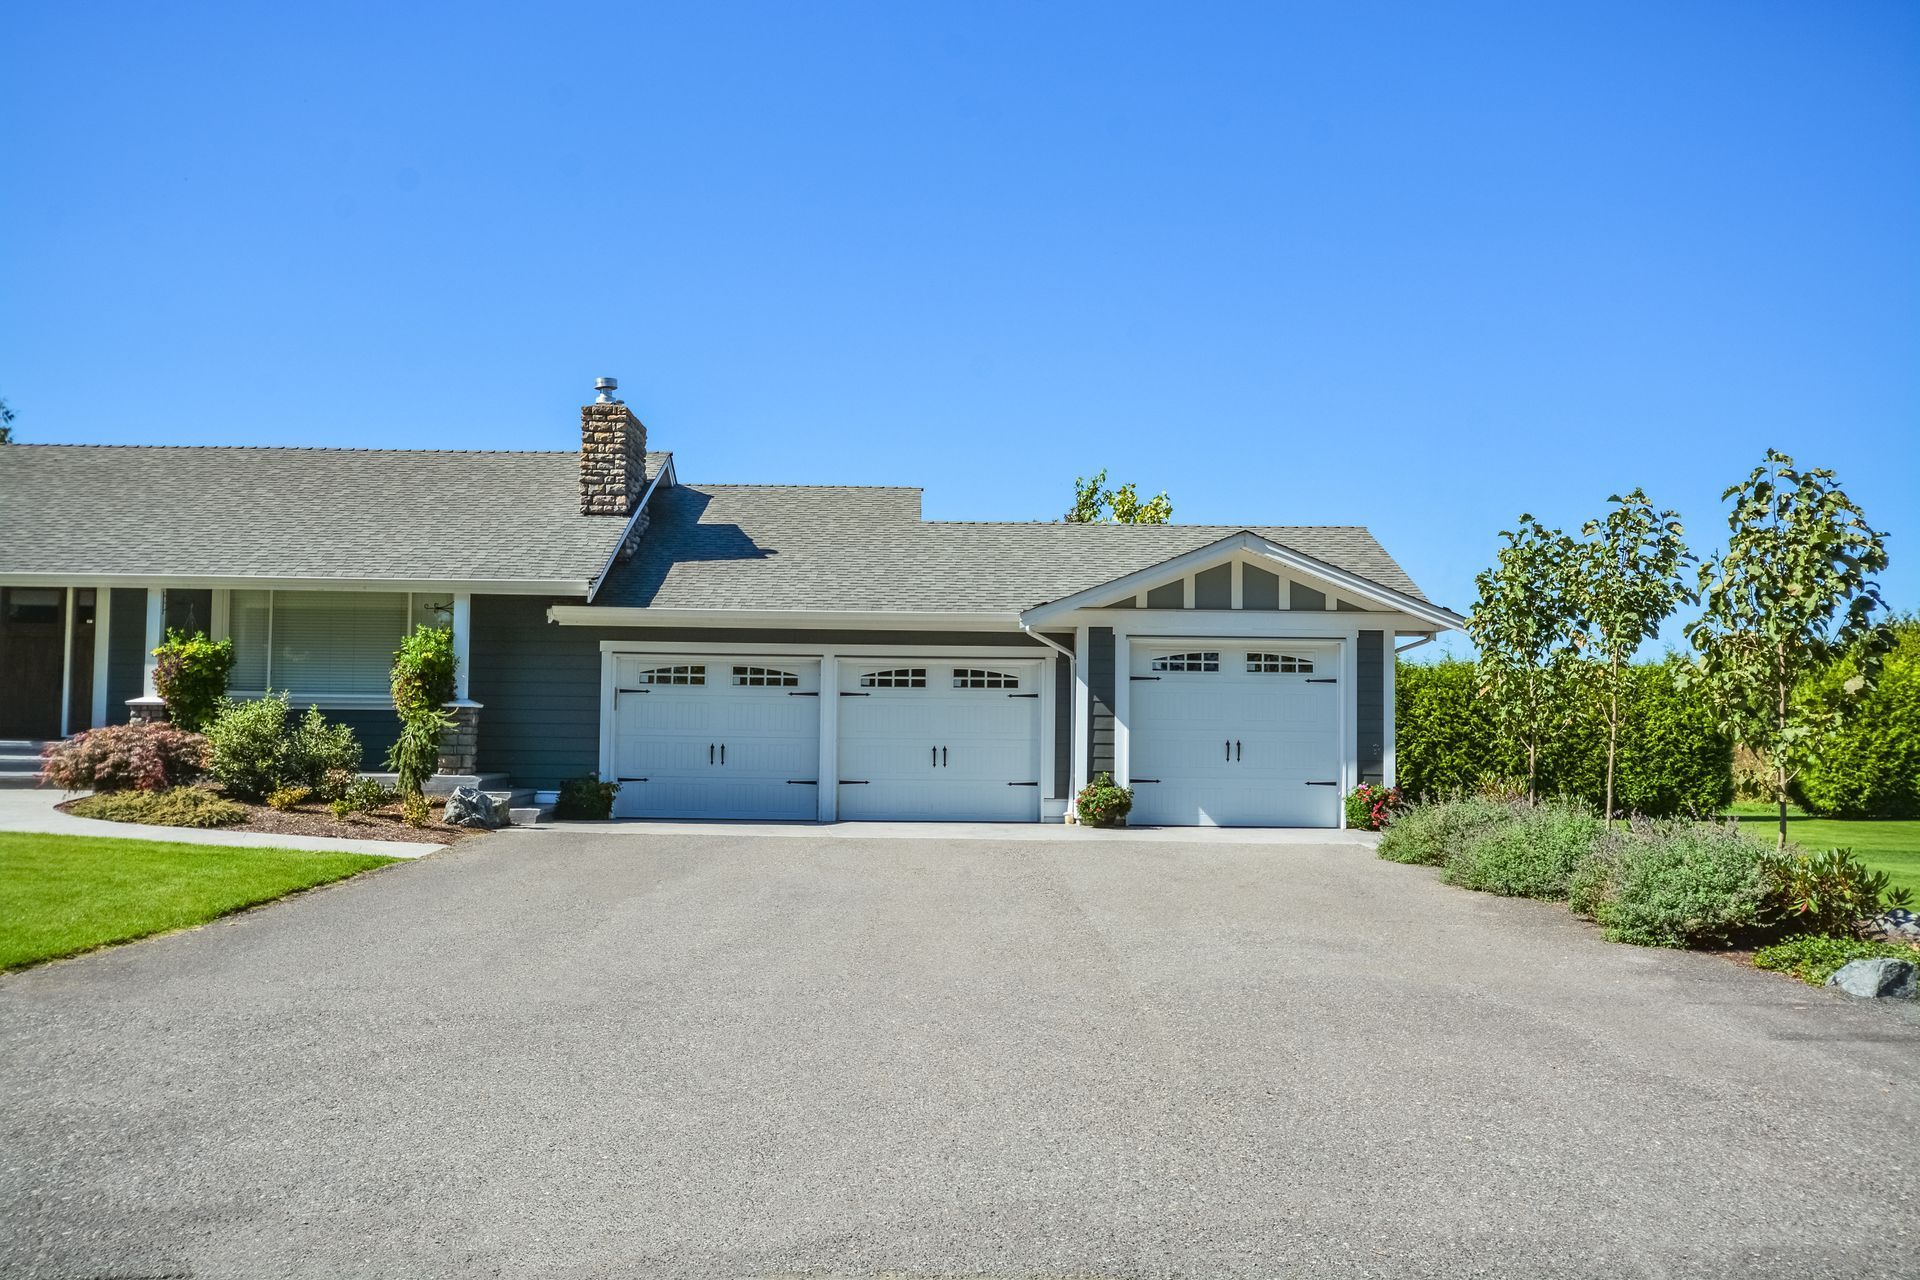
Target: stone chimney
613,455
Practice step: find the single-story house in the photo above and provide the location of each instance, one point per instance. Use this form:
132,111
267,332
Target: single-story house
812,652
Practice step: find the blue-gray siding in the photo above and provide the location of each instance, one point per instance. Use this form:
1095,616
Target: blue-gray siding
1304,597
1258,588
126,650
1213,588
539,684
1371,705
1100,682
376,728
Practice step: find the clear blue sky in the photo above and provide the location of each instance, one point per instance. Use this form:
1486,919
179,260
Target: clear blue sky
1420,267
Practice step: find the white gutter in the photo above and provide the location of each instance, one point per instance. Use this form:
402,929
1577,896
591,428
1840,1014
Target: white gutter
1408,648
1059,649
626,531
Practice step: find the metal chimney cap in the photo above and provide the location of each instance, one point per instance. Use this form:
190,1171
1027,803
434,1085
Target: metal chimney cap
606,387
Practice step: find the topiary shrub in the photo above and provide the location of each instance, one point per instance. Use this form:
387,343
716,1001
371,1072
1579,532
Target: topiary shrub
146,757
423,681
1676,885
586,799
1427,834
190,672
1102,802
1869,766
1829,892
175,807
1532,856
1813,957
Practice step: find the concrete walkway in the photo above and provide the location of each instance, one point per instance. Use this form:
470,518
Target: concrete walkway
998,832
33,810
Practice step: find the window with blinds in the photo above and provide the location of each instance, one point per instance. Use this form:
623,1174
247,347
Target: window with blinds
315,643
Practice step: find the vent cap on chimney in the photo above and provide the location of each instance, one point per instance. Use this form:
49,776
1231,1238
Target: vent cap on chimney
606,387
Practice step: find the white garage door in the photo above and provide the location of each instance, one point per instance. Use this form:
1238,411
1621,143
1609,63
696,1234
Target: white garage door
707,737
1243,734
933,741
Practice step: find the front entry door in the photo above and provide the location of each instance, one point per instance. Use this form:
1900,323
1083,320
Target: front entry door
31,628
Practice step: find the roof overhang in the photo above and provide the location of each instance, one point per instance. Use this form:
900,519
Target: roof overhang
1251,544
595,615
476,586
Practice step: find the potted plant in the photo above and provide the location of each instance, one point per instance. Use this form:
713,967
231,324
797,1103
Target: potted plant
1101,803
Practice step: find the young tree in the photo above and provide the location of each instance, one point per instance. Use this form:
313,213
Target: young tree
6,423
1627,581
1792,593
1523,624
1094,503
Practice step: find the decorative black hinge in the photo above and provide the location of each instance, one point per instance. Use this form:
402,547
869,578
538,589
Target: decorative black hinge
630,779
803,782
1323,784
1023,784
1023,695
803,693
1143,677
845,694
853,782
1143,779
1320,680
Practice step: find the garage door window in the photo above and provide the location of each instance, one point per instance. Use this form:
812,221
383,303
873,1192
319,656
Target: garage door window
975,678
1285,664
1208,660
765,677
898,678
673,675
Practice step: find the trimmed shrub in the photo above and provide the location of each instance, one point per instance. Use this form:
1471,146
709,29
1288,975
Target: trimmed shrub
1429,833
145,757
1813,957
414,809
586,799
255,751
175,807
1444,742
246,740
1869,767
1102,803
284,799
316,747
1532,856
1829,892
190,672
1676,885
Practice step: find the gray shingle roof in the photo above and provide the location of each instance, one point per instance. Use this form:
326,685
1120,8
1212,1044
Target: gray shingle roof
233,512
831,548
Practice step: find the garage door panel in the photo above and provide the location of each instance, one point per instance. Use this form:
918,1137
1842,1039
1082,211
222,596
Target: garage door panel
941,750
721,746
1235,746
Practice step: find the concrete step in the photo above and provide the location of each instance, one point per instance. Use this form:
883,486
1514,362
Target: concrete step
11,778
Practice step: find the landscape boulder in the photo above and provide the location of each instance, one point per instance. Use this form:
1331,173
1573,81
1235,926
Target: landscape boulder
472,807
1878,979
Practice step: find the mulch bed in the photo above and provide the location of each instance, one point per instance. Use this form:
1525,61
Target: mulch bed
317,820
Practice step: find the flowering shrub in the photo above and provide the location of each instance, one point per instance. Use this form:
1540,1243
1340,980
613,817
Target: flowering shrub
1369,808
1103,804
1830,892
145,757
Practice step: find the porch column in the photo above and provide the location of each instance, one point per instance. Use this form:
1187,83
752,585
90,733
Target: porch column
149,706
460,745
102,617
462,643
66,670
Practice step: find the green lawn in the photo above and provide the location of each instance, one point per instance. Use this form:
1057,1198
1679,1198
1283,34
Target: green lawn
61,895
1890,846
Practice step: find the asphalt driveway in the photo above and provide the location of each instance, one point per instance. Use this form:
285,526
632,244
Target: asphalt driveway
616,1054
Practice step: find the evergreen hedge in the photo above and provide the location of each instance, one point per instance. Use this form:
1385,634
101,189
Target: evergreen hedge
1672,759
1870,766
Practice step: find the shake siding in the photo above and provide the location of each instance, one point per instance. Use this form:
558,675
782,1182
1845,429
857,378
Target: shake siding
126,650
1100,679
1371,706
539,684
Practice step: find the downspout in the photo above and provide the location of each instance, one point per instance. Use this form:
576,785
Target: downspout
1057,648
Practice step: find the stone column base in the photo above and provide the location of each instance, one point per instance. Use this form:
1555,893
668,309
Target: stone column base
147,711
460,745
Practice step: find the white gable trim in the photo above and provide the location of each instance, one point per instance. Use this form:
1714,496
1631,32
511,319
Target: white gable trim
1248,544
